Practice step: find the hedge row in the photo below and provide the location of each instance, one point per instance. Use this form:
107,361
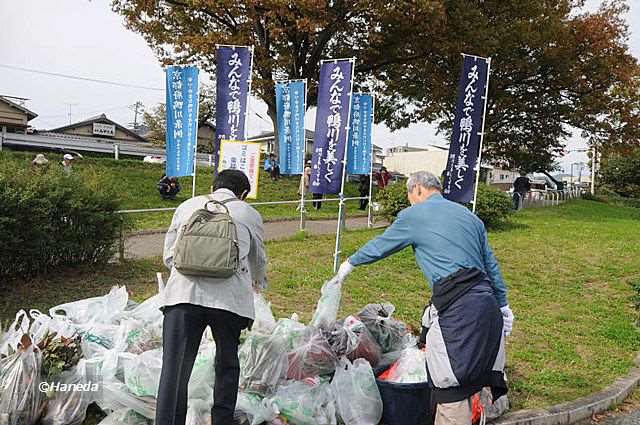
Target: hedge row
49,219
494,206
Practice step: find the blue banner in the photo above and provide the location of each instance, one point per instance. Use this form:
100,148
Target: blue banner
359,152
332,122
182,119
290,107
233,77
460,175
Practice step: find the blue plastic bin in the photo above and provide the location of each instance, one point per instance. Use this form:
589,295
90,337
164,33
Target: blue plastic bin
404,404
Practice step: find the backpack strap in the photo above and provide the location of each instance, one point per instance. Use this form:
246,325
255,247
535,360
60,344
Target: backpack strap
222,203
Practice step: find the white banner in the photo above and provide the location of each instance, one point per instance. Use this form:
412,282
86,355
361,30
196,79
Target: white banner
243,156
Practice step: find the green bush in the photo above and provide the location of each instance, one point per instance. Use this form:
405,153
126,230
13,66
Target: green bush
494,206
49,219
393,199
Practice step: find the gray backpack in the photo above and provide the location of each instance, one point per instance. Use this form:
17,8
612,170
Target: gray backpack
208,243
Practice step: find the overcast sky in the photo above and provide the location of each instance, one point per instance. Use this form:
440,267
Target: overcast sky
85,38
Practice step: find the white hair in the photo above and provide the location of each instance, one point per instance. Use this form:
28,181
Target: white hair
425,179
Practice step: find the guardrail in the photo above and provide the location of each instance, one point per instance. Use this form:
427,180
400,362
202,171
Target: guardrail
85,144
299,202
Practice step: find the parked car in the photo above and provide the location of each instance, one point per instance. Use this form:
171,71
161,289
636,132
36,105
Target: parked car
153,159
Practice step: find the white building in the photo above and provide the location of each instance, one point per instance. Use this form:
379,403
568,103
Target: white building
406,160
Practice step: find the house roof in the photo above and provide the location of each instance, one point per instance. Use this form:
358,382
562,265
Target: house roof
102,118
30,114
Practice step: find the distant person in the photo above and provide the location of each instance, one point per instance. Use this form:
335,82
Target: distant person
305,178
382,178
191,302
274,167
67,163
521,186
40,162
169,187
363,188
267,164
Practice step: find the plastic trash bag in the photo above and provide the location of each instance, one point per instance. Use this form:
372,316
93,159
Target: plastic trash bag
148,311
102,309
125,417
356,393
198,413
98,338
264,321
367,348
343,340
142,375
43,325
203,373
493,410
140,337
115,396
263,362
326,312
21,401
291,330
312,357
11,339
69,407
387,331
306,403
257,409
411,368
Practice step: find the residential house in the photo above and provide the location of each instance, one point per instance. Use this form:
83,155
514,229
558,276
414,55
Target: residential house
14,117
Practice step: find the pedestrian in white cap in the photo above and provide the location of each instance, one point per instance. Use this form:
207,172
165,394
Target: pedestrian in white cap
67,163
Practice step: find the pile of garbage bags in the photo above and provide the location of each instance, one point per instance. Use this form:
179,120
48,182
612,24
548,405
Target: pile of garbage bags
290,372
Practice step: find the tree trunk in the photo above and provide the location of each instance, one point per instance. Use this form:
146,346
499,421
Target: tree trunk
271,111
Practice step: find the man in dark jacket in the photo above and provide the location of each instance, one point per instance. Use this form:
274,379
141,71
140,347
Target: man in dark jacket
521,186
168,187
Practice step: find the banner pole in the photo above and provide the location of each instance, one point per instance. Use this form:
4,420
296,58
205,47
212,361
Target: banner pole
246,113
303,187
484,119
336,255
195,148
373,119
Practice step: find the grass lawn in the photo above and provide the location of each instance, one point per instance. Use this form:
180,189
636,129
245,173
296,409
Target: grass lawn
568,270
136,184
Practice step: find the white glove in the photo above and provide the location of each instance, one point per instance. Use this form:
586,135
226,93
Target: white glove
507,318
344,270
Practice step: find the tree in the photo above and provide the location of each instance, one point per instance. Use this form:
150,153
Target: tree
290,38
156,118
553,68
620,172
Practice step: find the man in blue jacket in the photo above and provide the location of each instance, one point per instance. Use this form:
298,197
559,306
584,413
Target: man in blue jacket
469,315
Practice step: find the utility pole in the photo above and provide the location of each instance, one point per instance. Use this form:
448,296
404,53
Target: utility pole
137,108
594,164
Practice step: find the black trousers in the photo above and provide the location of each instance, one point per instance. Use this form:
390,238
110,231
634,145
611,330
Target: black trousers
317,205
182,332
364,202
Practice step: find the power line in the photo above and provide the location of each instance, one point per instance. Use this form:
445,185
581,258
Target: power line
75,77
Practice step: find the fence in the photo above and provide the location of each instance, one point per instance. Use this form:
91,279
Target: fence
300,203
548,198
